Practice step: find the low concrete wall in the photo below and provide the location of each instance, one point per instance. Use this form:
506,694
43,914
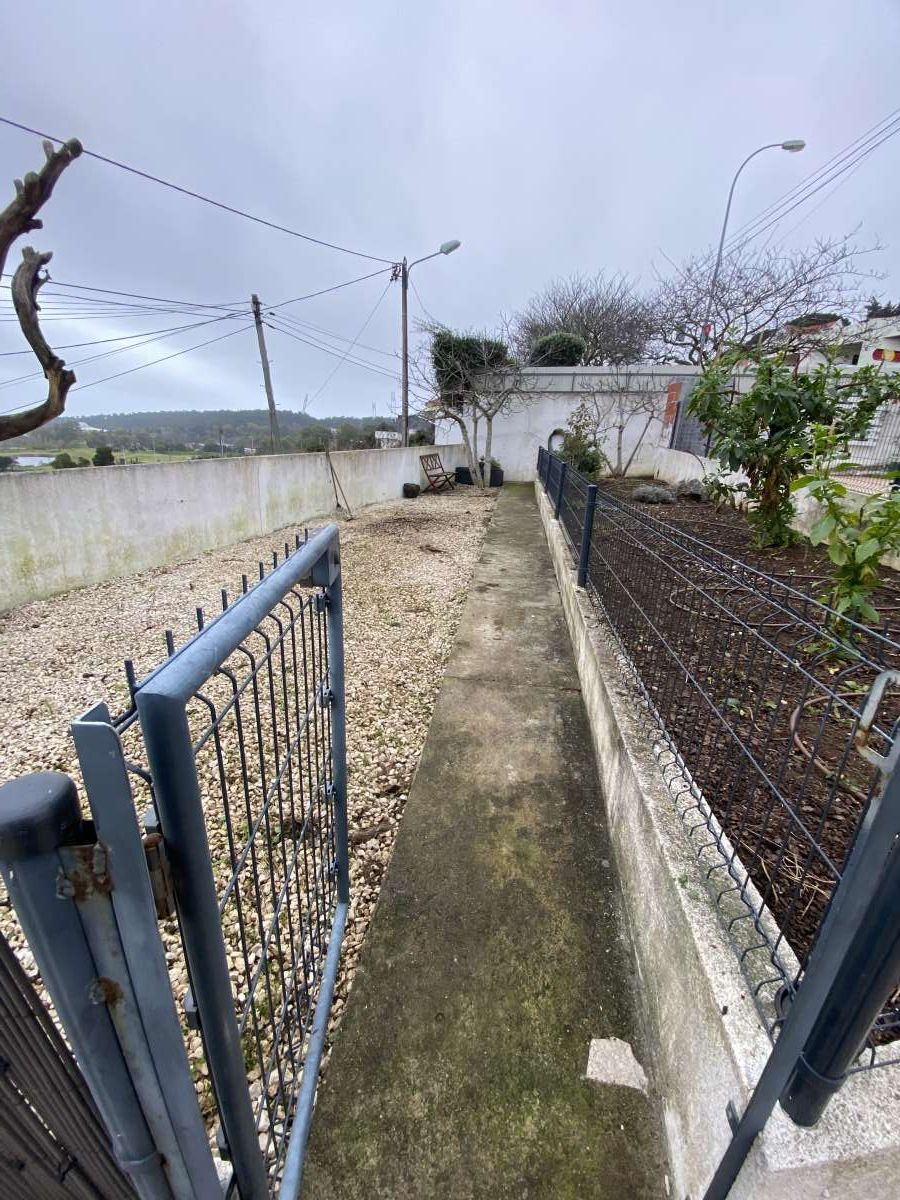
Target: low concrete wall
67,529
710,1046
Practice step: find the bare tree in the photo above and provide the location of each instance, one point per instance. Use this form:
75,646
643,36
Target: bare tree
612,319
20,216
623,402
762,296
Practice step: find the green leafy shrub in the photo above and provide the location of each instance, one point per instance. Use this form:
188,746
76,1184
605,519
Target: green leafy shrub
559,349
769,432
584,455
104,457
857,538
63,461
458,357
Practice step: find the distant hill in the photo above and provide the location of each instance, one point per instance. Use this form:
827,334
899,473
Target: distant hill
194,425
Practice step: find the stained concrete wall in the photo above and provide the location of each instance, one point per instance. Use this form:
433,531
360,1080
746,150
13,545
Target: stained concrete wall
709,1045
67,529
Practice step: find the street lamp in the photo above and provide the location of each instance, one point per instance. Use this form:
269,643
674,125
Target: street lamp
793,146
403,269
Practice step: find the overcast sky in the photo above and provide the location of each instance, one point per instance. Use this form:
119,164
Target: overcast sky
549,138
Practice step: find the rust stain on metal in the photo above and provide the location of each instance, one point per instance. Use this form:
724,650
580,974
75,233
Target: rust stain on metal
106,991
90,876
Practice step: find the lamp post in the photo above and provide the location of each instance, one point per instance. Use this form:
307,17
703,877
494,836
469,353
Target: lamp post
403,269
793,146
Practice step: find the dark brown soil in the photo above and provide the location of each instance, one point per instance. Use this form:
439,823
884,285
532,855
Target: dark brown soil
752,683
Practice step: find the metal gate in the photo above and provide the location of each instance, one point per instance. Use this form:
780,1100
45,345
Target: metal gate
238,742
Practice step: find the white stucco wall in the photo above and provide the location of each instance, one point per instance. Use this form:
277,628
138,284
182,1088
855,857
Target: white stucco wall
547,397
67,529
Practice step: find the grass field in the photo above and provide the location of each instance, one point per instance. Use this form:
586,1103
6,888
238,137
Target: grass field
128,456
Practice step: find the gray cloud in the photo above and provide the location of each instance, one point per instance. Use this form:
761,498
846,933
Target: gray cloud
549,138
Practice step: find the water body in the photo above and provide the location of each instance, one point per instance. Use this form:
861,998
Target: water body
33,460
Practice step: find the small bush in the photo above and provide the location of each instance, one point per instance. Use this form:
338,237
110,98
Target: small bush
653,493
582,454
63,461
558,350
104,457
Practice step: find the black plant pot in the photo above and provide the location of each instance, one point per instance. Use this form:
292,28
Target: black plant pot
464,475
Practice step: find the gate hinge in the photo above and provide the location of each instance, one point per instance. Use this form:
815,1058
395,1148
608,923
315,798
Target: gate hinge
326,696
160,875
322,601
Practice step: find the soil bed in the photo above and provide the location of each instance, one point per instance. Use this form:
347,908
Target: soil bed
760,698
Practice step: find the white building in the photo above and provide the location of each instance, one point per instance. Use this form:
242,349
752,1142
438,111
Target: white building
638,406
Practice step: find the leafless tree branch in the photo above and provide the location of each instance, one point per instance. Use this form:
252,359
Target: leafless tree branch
19,217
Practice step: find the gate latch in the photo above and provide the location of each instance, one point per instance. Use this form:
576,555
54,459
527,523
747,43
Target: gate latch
160,875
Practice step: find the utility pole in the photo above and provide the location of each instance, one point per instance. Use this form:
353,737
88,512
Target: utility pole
267,378
404,418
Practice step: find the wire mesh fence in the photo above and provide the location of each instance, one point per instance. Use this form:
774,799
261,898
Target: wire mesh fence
756,692
262,748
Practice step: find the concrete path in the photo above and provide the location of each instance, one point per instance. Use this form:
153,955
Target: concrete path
495,955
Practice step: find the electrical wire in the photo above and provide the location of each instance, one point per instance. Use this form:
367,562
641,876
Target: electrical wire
845,160
80,387
78,362
362,330
375,368
84,287
334,288
199,196
304,326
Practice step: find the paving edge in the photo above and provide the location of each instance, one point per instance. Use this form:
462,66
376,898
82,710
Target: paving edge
708,1044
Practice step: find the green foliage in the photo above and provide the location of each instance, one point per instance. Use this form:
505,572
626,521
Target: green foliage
770,431
585,456
104,457
857,539
6,463
63,461
558,349
877,309
458,358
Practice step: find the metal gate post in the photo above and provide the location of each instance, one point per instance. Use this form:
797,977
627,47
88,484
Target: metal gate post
40,814
586,534
850,905
112,805
559,490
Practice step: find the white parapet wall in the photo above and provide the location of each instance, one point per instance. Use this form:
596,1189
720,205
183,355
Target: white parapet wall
67,529
707,1042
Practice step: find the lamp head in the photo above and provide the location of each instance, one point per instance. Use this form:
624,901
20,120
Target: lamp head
449,247
793,145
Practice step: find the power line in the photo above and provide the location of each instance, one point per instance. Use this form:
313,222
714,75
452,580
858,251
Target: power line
199,346
375,368
304,326
362,330
844,160
84,287
824,183
199,196
334,288
148,339
124,337
80,387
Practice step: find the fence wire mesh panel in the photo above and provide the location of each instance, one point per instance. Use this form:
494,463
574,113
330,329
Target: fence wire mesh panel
255,710
52,1141
756,691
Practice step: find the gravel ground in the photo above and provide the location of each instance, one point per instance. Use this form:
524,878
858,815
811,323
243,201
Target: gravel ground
407,567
